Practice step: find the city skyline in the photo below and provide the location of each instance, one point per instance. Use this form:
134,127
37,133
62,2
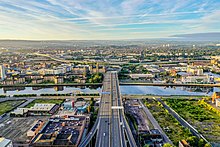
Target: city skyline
107,20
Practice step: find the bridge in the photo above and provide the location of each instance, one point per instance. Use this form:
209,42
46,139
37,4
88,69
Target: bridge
111,128
121,83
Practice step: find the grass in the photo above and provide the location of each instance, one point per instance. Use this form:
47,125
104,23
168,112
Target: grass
7,106
45,101
168,123
201,115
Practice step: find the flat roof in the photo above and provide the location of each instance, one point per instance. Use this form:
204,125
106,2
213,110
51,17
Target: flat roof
4,141
42,107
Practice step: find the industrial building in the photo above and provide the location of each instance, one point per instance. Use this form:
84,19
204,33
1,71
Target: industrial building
35,129
79,106
37,109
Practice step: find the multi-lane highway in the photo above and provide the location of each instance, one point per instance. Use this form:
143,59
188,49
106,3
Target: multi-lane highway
103,133
113,129
118,139
111,126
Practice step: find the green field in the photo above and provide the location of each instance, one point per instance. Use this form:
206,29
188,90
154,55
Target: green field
7,106
201,115
168,123
45,101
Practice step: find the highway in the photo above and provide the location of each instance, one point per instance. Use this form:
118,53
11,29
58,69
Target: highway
104,132
111,126
118,139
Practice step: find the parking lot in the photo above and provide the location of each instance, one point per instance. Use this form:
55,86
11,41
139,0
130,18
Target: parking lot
16,128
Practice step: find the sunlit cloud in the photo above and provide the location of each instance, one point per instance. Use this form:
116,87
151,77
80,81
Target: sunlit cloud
106,19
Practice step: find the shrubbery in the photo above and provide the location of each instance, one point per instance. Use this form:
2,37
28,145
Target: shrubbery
25,95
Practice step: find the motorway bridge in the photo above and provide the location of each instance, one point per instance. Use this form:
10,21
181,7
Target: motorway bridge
111,128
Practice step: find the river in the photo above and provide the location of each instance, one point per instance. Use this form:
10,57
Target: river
153,90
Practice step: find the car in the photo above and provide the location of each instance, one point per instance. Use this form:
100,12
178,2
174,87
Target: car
104,134
8,122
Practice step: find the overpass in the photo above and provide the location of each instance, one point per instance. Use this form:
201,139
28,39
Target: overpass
111,128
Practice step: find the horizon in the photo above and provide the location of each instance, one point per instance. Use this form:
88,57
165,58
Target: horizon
109,20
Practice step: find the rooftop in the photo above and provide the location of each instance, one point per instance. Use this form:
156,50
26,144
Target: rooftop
4,142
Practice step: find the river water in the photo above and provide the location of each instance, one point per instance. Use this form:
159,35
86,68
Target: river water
153,90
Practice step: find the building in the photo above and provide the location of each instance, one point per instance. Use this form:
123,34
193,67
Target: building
141,76
79,106
55,71
97,68
194,70
215,96
196,79
61,131
58,80
2,72
35,129
37,109
43,109
5,142
69,105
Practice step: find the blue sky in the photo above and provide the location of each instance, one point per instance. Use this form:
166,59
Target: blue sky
106,19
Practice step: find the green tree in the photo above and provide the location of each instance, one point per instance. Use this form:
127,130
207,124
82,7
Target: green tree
192,141
201,143
207,145
167,145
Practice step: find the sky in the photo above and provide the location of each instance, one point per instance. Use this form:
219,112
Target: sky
106,19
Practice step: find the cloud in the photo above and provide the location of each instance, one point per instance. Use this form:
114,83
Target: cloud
108,19
211,36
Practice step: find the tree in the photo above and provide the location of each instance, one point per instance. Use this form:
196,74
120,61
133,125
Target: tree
92,102
167,145
201,143
207,145
192,140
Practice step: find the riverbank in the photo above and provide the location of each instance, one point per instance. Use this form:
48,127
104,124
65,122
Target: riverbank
137,96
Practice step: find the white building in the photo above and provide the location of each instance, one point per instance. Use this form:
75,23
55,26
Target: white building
2,72
196,79
141,76
194,70
51,71
5,142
